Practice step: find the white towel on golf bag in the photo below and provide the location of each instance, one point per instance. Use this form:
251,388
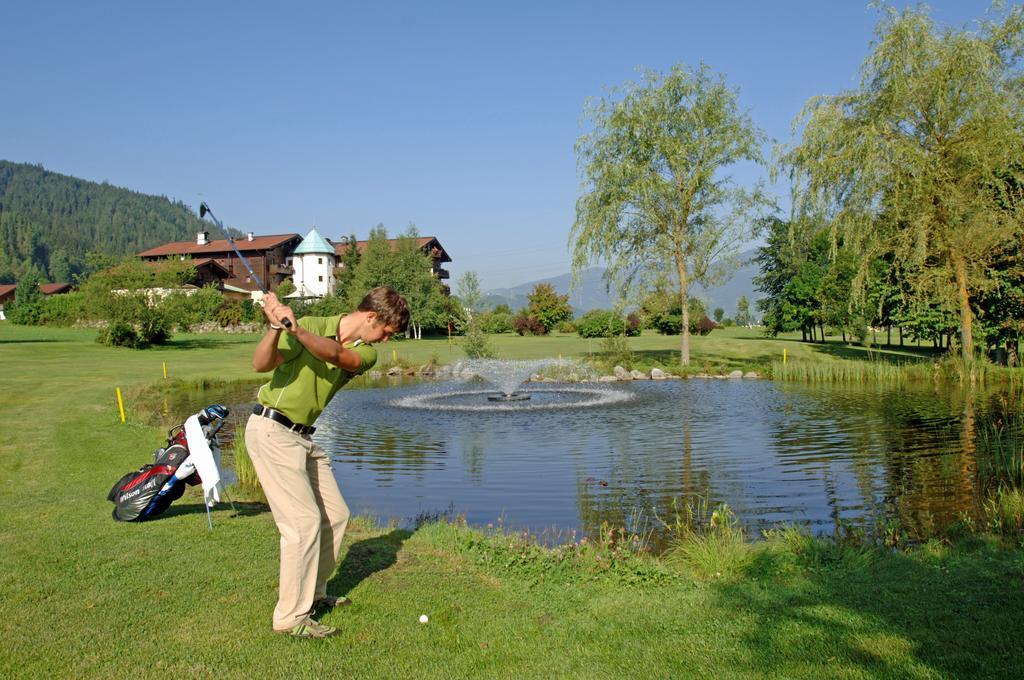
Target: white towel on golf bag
207,464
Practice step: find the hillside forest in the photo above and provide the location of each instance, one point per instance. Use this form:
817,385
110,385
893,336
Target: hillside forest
50,223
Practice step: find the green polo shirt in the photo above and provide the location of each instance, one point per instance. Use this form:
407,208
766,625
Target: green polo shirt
301,386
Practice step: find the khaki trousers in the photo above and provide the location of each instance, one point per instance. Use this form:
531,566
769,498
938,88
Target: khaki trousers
308,509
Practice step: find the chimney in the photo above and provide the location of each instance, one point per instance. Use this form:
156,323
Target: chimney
250,236
202,238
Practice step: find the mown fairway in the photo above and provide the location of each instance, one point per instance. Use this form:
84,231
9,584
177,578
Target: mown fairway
83,596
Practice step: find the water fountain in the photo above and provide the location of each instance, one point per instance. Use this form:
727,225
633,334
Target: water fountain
508,377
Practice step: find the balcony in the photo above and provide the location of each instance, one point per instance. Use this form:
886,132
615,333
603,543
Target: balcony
282,269
442,273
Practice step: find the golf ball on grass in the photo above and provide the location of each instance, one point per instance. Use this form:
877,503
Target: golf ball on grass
423,618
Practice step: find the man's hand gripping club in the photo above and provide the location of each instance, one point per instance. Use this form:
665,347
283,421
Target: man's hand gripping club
281,317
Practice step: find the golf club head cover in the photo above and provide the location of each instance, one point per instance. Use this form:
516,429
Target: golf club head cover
211,413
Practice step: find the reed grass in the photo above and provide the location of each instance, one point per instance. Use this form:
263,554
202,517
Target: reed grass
247,482
1003,512
850,371
706,541
1002,442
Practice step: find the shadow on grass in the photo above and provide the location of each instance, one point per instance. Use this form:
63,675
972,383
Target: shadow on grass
889,355
957,614
208,343
366,558
709,361
222,511
27,341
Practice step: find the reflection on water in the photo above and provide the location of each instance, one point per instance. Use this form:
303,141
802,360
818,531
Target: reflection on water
818,455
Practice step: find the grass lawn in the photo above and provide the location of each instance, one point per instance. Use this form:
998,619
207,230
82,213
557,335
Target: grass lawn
723,350
83,596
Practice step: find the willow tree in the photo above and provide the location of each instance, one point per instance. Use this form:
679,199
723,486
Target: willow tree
921,163
656,201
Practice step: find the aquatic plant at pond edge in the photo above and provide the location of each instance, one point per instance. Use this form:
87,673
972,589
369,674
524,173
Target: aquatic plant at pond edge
1003,512
852,372
247,480
1003,441
708,542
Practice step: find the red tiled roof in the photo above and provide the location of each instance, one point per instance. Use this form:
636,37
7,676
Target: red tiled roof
218,246
7,289
199,264
424,241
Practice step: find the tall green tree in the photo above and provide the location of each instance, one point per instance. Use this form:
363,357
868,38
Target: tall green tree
743,317
468,290
407,269
348,261
476,344
547,306
657,196
921,161
415,279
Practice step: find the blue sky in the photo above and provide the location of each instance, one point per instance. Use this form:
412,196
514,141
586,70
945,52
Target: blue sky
459,117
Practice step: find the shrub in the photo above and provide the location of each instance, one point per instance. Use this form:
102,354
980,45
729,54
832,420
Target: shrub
62,310
153,327
29,304
704,326
476,344
183,309
604,323
615,351
230,313
672,324
118,334
284,289
329,305
567,327
251,313
495,322
25,313
548,307
528,325
668,324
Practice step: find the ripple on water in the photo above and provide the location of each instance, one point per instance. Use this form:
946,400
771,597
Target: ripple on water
540,399
576,455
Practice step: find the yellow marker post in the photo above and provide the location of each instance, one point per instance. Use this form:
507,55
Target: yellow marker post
394,357
165,370
120,404
783,355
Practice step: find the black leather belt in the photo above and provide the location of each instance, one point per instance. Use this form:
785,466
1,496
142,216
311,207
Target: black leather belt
278,417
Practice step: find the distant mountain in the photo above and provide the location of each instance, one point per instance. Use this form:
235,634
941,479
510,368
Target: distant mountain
49,221
741,283
592,294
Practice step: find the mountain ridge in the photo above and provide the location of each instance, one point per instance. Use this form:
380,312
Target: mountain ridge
591,293
50,221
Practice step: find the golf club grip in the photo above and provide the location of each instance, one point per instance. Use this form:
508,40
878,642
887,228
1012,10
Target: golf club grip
287,323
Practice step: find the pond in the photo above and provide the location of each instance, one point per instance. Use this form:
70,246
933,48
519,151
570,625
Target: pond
577,455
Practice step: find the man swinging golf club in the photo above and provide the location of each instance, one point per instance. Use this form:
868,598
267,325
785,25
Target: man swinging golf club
311,359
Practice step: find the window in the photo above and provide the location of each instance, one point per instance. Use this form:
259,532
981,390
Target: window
319,260
320,278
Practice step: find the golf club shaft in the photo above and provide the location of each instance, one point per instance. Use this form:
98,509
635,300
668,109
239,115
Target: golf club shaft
205,209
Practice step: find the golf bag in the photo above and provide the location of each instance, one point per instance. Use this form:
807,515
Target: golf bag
147,492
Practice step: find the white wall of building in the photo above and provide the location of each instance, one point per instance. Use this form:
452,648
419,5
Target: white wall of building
314,274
